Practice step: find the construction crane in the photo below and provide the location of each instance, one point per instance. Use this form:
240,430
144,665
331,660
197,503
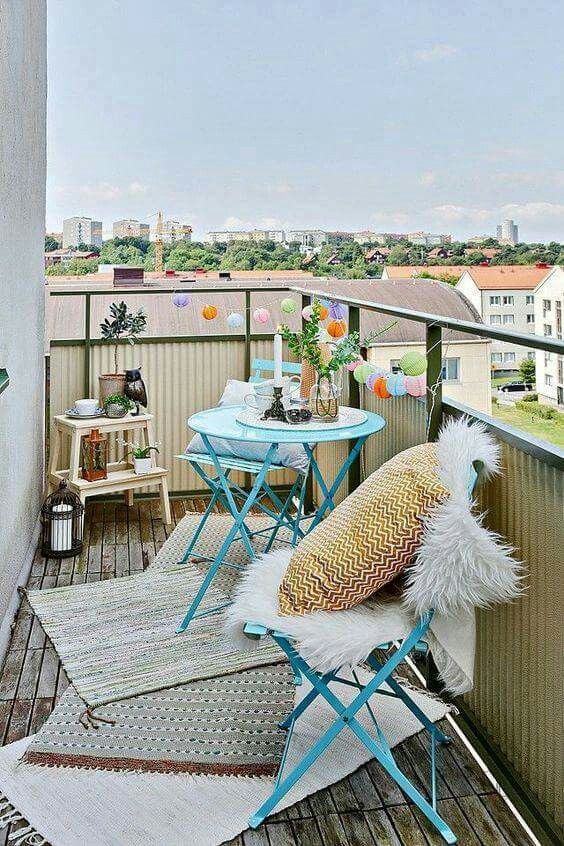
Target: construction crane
159,266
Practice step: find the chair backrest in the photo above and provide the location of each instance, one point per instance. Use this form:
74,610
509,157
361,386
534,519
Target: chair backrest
262,367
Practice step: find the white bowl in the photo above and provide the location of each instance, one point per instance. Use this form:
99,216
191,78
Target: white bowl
85,407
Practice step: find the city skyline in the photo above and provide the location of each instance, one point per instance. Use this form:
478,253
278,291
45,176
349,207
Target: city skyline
349,121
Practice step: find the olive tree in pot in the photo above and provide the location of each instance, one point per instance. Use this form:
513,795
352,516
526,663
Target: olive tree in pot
122,325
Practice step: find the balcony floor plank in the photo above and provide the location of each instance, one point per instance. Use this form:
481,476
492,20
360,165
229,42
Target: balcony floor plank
364,809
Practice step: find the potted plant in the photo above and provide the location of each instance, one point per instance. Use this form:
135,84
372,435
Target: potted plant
322,361
122,324
141,456
117,405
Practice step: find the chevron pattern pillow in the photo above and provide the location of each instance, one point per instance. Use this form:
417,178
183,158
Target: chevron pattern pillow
368,540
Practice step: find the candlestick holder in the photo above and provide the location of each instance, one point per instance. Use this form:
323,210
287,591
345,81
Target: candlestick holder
276,410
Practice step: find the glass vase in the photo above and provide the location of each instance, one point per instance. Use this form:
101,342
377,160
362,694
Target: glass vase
324,400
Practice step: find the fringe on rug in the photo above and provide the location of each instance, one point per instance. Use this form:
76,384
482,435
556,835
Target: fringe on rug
88,719
25,835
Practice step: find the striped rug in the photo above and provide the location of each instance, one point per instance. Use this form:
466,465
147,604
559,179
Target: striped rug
116,638
223,726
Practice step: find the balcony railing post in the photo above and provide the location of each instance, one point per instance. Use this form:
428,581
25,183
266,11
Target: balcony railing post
434,380
354,400
308,504
87,305
247,335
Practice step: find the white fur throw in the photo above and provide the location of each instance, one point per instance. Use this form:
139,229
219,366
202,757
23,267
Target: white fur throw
460,566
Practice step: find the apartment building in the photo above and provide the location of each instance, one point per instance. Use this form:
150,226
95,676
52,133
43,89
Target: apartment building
427,239
129,228
549,304
258,235
504,295
310,240
508,233
82,230
368,237
173,230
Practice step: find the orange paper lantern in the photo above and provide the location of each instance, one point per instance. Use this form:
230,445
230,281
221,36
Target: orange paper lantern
337,328
381,389
323,312
209,312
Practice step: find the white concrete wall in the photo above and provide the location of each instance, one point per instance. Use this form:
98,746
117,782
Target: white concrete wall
551,288
23,89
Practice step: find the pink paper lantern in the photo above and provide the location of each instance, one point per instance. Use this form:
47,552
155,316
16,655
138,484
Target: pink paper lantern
261,315
307,312
416,386
353,364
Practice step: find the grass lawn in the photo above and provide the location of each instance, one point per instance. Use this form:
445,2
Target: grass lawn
546,430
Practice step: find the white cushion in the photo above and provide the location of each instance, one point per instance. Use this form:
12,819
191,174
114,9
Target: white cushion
292,456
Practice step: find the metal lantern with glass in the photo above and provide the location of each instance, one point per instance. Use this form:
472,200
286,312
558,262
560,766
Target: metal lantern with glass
94,456
61,524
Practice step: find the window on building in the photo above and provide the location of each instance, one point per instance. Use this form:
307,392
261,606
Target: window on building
558,319
495,300
529,299
395,365
495,319
509,319
548,329
548,380
532,355
530,318
547,305
451,370
547,358
508,300
508,357
497,358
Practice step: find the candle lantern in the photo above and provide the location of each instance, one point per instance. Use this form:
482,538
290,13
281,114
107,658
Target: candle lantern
94,456
61,524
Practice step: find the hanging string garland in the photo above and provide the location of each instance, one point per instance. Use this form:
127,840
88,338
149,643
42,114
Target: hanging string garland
337,311
261,315
289,306
181,300
209,312
235,320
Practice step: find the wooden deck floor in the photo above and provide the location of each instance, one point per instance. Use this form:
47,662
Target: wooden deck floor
364,809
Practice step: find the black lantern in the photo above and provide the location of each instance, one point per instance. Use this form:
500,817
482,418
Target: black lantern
61,524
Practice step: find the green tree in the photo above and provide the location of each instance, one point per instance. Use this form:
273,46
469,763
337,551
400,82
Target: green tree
51,243
527,370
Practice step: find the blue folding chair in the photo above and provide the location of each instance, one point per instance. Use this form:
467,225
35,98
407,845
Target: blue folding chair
220,496
346,714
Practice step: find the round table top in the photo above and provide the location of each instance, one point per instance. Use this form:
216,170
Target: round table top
220,422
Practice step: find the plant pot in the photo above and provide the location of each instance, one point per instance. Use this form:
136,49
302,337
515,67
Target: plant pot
142,466
111,383
115,409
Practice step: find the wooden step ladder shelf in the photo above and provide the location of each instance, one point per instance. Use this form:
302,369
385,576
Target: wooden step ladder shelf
121,476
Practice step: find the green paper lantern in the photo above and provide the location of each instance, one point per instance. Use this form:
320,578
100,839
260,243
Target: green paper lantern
362,372
413,363
288,306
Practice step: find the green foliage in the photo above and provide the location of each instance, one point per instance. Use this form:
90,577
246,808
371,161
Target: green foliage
532,397
527,369
75,267
119,399
51,243
305,345
123,324
544,411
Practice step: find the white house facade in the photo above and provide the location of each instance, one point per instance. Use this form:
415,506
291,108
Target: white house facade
549,304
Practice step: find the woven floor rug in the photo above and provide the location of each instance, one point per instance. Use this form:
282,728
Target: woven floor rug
116,638
99,808
225,726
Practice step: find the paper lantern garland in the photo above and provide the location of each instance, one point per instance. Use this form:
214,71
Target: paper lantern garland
386,385
235,320
413,363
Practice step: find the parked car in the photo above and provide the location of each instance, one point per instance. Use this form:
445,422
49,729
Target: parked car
516,387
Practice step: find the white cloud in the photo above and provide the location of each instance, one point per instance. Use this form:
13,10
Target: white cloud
534,211
392,221
435,53
136,188
101,191
262,223
428,179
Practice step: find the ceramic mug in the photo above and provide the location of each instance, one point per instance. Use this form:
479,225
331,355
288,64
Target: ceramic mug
84,407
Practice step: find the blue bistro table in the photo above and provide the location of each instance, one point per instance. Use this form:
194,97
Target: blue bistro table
221,422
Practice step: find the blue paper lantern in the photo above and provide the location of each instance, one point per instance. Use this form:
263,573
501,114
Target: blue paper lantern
395,384
235,320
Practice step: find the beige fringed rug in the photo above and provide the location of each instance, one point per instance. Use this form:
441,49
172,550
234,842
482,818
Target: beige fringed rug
68,806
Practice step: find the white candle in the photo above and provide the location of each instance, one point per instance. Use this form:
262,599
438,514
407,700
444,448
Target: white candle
278,360
61,529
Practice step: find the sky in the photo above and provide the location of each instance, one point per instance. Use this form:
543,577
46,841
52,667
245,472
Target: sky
366,114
